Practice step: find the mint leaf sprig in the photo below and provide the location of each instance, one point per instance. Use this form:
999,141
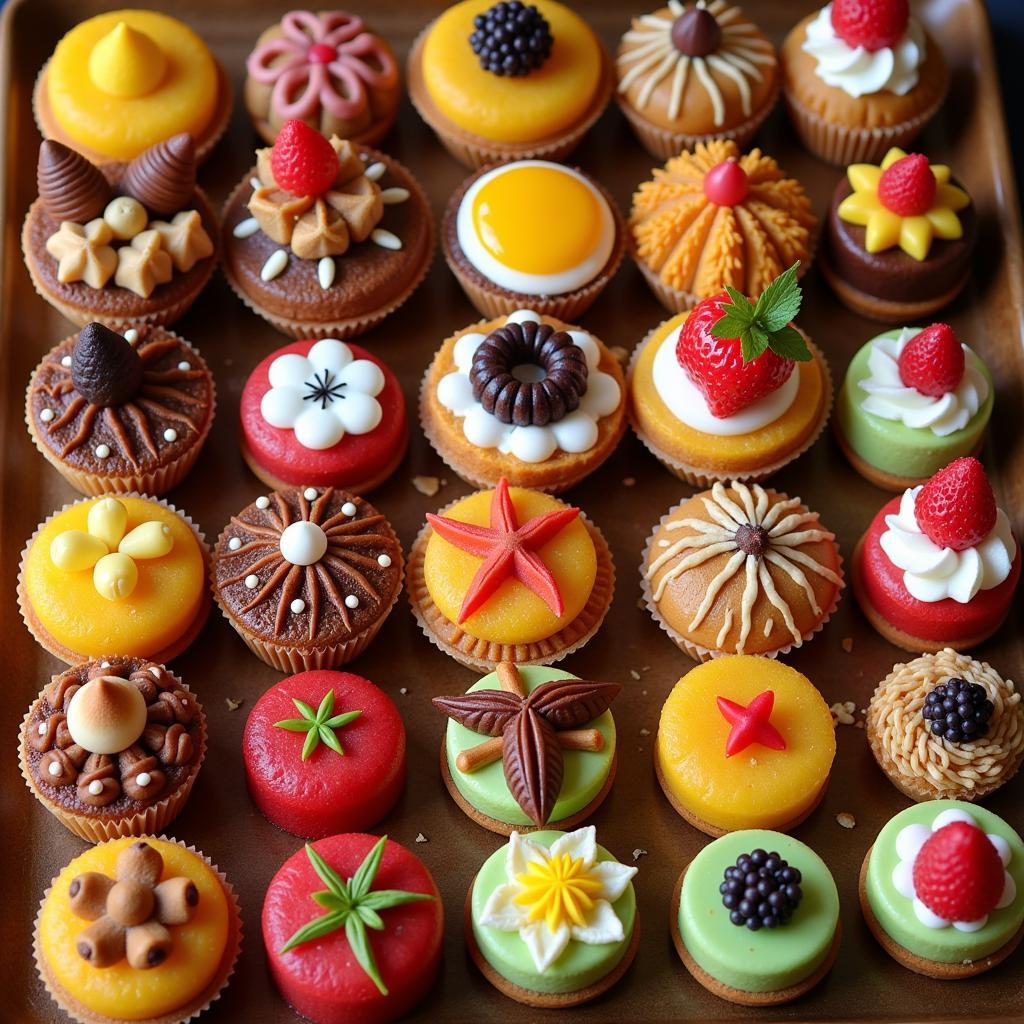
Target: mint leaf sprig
351,904
765,324
318,725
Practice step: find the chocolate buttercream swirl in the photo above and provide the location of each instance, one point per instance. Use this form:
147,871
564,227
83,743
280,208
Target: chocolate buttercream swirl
68,761
172,744
141,775
171,706
97,785
163,177
58,692
48,733
70,187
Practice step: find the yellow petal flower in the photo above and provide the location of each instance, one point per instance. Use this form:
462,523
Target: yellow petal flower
891,157
951,196
883,231
858,207
864,177
916,236
941,172
945,223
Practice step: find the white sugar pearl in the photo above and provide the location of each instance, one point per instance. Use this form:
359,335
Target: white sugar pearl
102,451
95,787
351,601
184,365
104,664
46,415
298,606
155,671
252,581
170,434
143,779
54,768
263,501
42,728
384,561
66,361
310,494
348,509
234,544
376,171
131,335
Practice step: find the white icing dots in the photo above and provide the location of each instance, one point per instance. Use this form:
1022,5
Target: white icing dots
184,365
170,434
252,581
102,451
351,601
310,494
143,779
298,606
349,509
95,787
303,543
66,361
42,729
384,561
46,415
235,543
131,335
54,769
263,501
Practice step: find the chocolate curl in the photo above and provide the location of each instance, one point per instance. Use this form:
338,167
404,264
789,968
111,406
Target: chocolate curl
147,945
139,863
163,177
70,187
97,786
175,900
102,943
88,893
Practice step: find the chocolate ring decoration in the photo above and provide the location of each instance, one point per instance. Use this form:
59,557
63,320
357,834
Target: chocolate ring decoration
528,403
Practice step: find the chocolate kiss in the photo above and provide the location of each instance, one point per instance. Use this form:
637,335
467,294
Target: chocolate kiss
70,187
163,177
696,32
105,369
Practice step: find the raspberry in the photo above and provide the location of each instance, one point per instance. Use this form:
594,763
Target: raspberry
303,162
726,184
958,874
873,24
932,362
907,187
956,508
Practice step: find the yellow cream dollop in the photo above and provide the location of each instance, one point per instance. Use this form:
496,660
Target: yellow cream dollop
126,62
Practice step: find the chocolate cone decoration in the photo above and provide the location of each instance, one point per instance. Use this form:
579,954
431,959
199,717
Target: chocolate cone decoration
696,33
105,369
163,177
70,187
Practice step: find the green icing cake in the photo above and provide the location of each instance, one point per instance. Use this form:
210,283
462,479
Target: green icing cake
895,912
579,966
485,789
769,959
890,446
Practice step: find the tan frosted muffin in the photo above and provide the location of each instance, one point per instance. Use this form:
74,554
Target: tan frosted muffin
741,570
689,73
945,726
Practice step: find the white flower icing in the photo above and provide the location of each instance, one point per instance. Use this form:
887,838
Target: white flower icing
323,395
931,573
909,841
576,432
861,72
889,398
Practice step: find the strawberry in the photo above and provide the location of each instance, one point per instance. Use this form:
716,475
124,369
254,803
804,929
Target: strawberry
303,162
873,24
956,508
907,187
958,874
932,361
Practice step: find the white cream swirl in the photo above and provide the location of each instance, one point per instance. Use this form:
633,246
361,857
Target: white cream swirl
861,72
889,398
931,573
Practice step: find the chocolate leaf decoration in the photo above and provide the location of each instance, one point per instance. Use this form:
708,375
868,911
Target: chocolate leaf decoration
487,712
533,764
570,703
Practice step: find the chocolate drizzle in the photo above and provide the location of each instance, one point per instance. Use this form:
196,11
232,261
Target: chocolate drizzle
70,187
163,177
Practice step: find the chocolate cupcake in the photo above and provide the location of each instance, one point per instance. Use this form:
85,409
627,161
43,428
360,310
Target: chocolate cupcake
121,243
111,748
307,576
115,413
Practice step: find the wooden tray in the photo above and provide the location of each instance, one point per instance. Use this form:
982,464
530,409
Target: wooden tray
625,498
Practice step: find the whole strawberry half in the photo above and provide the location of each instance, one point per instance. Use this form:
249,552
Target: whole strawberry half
908,186
716,366
303,161
932,362
956,508
958,874
873,24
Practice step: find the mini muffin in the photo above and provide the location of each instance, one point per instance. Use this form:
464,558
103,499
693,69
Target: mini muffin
482,606
690,74
342,965
712,218
524,397
741,570
791,920
942,889
522,710
532,235
551,919
121,413
913,400
900,238
324,239
763,710
307,576
324,752
328,69
938,565
126,244
124,574
507,81
323,413
945,726
125,80
708,407
861,76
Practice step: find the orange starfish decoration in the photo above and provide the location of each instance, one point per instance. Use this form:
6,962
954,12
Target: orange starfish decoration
507,549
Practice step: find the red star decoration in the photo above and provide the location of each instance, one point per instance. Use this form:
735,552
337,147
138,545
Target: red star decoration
507,549
750,724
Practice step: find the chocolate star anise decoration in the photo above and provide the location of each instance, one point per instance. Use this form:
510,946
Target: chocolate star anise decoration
530,731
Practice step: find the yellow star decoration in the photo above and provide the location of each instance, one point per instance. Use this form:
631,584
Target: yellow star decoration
560,891
885,229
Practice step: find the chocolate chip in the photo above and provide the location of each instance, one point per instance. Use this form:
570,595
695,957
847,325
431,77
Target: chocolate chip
157,955
696,33
191,895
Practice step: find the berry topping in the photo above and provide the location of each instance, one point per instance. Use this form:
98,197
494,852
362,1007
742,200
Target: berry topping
873,24
908,186
736,352
958,710
695,32
511,39
760,890
726,184
932,362
956,508
958,874
750,724
321,53
303,162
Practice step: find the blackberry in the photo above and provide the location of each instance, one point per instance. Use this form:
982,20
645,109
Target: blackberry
760,890
958,711
511,38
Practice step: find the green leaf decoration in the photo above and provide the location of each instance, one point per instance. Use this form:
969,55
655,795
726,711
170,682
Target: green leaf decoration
351,904
318,725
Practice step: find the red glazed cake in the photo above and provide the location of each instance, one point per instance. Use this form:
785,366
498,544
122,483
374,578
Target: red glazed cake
324,752
323,413
317,969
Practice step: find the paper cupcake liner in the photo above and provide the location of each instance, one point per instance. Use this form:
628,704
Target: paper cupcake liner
699,652
483,654
202,1002
474,151
66,654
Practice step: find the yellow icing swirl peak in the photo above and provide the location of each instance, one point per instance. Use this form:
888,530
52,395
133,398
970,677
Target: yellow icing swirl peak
126,62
